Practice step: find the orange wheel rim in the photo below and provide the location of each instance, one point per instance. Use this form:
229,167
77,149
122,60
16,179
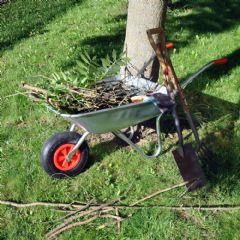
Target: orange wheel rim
60,157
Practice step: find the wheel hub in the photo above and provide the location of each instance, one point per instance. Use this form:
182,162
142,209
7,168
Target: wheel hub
60,157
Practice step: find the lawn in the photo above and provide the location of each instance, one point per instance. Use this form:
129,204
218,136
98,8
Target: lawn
38,38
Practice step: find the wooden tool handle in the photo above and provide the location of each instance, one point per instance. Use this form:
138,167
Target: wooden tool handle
170,77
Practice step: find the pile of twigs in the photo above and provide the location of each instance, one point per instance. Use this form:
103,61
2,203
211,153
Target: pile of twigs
73,99
79,214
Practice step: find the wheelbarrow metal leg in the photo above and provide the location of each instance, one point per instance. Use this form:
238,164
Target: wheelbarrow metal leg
194,129
72,128
138,149
79,143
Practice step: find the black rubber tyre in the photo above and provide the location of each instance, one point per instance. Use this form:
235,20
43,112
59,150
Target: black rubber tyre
53,144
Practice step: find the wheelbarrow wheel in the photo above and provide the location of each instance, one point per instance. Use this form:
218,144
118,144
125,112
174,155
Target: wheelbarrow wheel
56,150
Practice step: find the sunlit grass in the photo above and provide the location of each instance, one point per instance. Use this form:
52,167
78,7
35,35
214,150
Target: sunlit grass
34,46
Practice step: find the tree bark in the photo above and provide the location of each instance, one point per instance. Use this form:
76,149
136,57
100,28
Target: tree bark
143,15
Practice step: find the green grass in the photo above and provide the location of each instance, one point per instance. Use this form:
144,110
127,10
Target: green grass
38,38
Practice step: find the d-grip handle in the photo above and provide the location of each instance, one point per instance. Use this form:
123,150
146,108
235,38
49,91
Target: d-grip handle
150,33
161,53
154,45
159,31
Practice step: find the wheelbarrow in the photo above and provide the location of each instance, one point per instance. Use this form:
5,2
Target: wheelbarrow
67,153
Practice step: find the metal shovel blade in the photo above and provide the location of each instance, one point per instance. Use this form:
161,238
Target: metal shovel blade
189,166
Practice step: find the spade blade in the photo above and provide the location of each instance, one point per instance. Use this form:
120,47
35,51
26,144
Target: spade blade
189,167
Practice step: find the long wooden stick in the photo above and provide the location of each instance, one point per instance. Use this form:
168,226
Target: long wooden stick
159,192
43,204
221,207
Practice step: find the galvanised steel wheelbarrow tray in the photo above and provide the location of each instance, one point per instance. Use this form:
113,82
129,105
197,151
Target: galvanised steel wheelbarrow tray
67,153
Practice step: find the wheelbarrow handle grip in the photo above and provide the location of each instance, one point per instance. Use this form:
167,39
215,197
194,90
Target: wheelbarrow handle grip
169,45
220,61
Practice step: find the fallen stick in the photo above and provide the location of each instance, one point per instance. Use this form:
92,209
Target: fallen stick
111,223
72,225
113,217
72,218
72,213
118,221
220,207
42,204
159,192
54,234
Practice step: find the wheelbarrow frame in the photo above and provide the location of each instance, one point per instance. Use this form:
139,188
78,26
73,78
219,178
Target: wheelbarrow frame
117,118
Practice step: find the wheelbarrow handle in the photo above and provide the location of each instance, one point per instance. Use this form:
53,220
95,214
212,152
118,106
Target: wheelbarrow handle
169,45
219,61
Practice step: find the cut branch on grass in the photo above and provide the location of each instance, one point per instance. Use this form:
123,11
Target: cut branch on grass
72,213
68,221
220,207
111,223
89,220
159,192
87,212
51,235
41,204
118,220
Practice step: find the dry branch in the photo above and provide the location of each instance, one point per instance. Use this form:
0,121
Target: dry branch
72,213
89,220
118,220
221,207
159,192
41,204
34,89
73,99
51,235
94,211
80,215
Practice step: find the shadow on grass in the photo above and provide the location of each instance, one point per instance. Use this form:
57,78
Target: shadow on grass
216,16
178,5
222,157
209,16
221,162
101,150
23,19
213,108
101,45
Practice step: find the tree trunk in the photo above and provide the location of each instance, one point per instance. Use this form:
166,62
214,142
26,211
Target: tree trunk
143,15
